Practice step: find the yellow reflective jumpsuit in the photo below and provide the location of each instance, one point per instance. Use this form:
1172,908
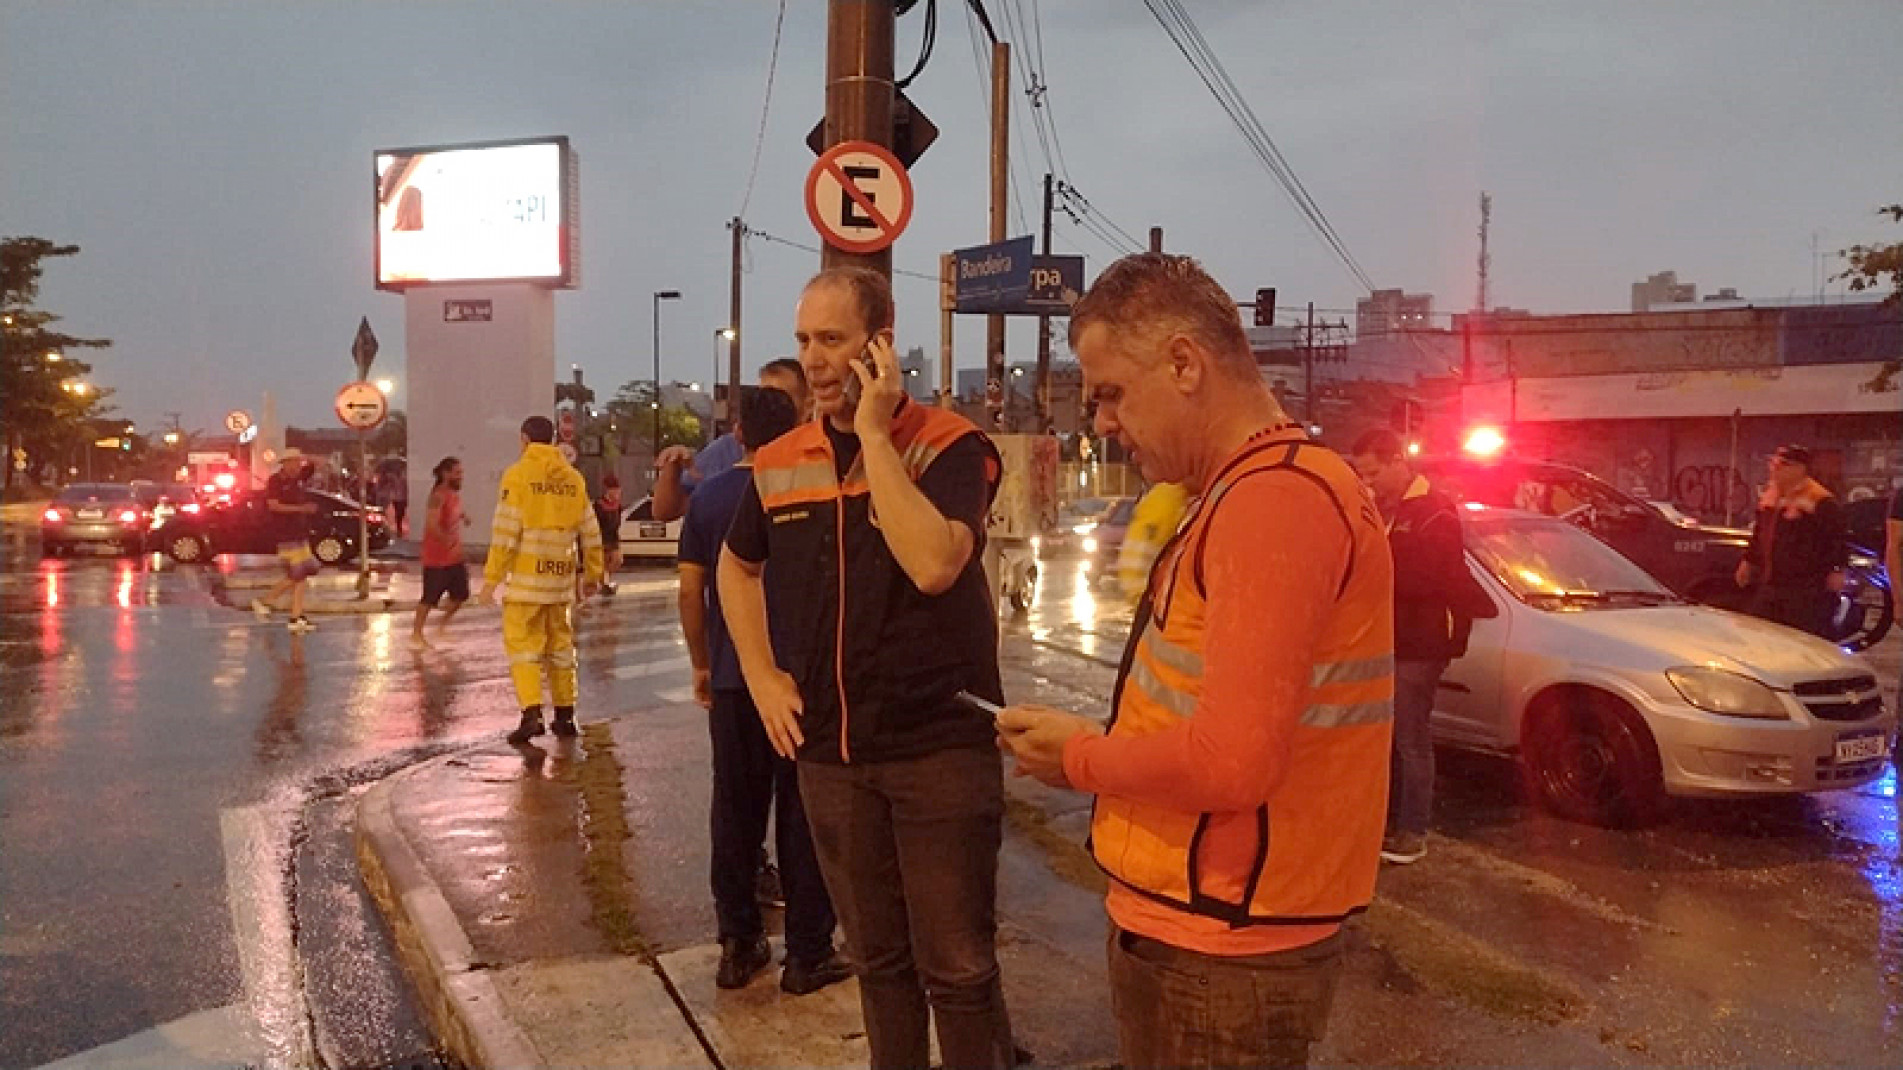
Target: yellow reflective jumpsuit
1155,519
543,506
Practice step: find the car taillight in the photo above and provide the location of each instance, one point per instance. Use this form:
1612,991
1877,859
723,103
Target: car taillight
128,516
225,480
188,507
53,516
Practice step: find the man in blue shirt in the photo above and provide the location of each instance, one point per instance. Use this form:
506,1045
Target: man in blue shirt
681,469
748,776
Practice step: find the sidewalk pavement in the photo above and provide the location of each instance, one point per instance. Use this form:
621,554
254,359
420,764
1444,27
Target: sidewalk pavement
552,903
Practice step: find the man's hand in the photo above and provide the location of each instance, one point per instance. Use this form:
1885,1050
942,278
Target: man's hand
777,697
1745,574
1036,736
674,457
488,595
704,688
878,397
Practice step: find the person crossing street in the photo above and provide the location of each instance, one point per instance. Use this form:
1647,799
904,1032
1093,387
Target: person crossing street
541,510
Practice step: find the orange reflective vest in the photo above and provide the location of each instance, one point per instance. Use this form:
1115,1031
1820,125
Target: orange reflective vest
878,662
1315,843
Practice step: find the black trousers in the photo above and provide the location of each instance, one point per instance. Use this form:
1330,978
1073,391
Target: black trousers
749,781
1804,608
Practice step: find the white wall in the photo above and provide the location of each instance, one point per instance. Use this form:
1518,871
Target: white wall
471,384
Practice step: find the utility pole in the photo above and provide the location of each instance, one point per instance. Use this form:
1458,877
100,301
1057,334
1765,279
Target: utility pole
1000,195
733,324
1486,216
859,91
1044,332
1308,366
1156,239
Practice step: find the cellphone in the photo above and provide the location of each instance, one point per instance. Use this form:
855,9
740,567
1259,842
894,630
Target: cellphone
853,389
986,707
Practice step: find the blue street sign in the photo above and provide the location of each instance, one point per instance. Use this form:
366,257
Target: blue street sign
1056,284
993,278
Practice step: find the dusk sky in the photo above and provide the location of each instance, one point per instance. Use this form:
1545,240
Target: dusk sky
213,160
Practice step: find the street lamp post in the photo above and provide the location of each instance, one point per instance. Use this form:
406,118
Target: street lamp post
721,334
659,296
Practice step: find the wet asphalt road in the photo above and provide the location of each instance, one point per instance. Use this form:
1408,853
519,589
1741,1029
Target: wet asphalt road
175,779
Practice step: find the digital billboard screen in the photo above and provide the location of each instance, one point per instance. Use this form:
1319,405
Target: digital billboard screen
475,213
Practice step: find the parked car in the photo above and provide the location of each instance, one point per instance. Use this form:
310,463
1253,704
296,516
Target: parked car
1077,525
1697,561
96,516
244,525
1613,693
644,537
164,500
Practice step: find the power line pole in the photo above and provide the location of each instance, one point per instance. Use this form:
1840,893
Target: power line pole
1308,369
1486,216
1156,239
733,324
947,302
859,45
1043,386
1000,196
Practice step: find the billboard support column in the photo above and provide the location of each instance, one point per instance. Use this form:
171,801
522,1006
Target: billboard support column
473,380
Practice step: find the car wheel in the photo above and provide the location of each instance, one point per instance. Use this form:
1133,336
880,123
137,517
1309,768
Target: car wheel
186,549
1589,757
1025,592
330,549
1861,616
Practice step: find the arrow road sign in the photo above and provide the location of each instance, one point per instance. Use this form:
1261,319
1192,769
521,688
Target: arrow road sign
361,406
858,197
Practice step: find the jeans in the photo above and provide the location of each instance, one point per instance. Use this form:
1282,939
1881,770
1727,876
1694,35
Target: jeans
1411,763
749,781
1178,1009
910,851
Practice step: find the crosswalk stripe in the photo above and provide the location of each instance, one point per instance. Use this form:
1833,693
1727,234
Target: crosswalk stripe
651,668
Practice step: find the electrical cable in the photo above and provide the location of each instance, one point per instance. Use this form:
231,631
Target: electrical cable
925,47
759,141
753,232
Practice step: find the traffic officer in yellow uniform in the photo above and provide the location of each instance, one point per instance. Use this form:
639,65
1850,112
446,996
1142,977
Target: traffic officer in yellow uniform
542,508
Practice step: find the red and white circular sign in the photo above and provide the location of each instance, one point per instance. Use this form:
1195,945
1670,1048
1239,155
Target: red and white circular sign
859,197
361,406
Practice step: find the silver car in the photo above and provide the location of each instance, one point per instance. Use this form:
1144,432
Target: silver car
1614,693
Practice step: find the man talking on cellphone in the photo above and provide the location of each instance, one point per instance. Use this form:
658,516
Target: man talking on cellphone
873,519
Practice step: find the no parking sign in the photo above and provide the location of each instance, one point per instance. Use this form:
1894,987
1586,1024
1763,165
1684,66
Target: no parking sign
859,197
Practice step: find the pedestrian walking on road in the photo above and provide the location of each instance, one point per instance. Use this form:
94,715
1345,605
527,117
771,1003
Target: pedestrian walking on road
396,491
291,509
1435,604
750,781
542,510
608,519
1798,547
445,573
1242,782
866,527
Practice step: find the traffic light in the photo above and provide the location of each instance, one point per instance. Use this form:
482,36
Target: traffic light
1265,307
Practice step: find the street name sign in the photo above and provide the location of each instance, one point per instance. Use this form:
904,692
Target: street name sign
858,197
361,406
992,278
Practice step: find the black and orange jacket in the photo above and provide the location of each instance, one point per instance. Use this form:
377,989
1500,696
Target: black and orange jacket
877,661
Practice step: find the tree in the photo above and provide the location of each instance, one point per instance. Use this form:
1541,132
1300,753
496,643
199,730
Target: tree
1873,267
392,439
46,404
632,413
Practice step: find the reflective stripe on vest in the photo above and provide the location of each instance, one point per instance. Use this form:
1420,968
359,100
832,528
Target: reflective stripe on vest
1316,841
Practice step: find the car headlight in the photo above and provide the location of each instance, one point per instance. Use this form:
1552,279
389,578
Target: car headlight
1090,546
1718,691
1084,529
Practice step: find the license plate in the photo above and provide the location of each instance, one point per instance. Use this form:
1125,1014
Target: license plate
653,531
1861,748
90,514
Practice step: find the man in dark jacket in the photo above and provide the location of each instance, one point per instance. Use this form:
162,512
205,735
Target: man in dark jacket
1435,600
1798,552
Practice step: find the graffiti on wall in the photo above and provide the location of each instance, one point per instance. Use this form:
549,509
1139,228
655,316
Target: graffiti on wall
1699,489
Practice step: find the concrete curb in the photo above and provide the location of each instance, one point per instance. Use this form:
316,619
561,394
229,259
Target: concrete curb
466,1011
